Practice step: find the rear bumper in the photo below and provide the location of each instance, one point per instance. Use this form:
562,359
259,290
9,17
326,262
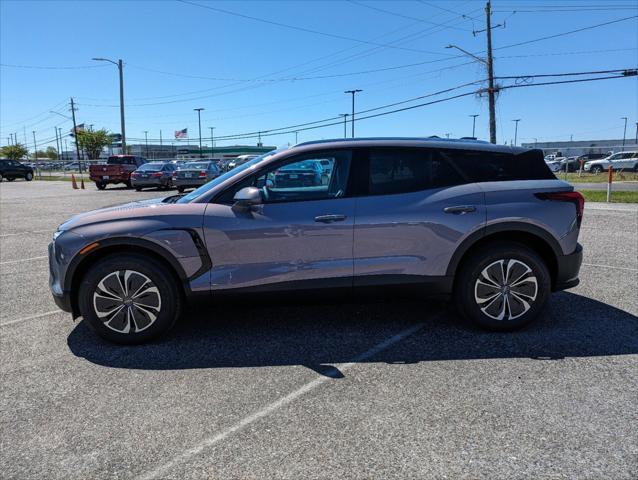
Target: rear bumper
189,182
155,182
567,270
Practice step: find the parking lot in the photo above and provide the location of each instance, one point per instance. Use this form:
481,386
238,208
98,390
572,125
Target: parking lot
399,389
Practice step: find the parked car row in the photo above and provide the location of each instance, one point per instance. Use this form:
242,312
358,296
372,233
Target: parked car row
593,162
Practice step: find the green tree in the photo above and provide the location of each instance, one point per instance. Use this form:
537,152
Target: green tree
14,152
93,142
51,153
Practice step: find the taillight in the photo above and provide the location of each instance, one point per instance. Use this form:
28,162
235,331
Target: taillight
575,197
202,173
175,173
156,174
134,174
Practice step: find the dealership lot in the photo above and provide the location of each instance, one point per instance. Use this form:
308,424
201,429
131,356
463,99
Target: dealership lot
351,390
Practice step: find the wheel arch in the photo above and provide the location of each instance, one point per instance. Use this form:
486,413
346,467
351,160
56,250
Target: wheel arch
529,235
80,265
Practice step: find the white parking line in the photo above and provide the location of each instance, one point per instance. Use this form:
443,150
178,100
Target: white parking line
25,233
23,260
161,470
32,317
611,266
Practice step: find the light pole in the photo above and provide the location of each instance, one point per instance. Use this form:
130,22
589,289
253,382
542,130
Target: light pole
535,141
146,141
120,68
57,143
474,124
59,129
296,138
516,120
636,133
35,147
353,92
199,120
212,142
345,120
624,135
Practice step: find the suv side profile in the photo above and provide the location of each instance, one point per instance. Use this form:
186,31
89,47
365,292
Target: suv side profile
12,169
489,226
617,161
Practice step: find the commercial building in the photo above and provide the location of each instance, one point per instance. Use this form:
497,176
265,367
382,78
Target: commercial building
181,151
581,147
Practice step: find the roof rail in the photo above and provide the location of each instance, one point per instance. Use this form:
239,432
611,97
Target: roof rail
367,139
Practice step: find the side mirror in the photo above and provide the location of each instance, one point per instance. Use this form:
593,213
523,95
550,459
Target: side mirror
247,197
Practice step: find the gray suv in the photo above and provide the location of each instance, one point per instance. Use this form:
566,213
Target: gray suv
488,226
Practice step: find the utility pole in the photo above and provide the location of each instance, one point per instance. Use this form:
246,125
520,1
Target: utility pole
345,121
296,138
57,143
75,133
11,139
636,133
474,124
353,92
59,130
624,135
516,120
146,141
199,120
160,139
35,148
212,142
490,72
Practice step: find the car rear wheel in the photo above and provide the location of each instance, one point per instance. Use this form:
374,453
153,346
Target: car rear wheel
100,185
503,286
180,189
129,299
138,189
1,177
29,176
596,169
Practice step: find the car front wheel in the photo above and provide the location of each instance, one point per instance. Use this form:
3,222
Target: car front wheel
29,176
596,169
503,286
129,299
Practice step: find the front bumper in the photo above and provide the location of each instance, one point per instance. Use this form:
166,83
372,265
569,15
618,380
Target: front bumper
568,268
61,297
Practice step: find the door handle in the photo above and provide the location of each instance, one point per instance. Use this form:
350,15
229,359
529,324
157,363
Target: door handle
330,218
460,209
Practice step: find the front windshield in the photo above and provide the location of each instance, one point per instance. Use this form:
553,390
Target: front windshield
222,178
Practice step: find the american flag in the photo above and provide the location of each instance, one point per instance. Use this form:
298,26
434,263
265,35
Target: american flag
181,133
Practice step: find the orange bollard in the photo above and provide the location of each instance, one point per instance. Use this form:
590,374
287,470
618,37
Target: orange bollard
73,182
82,183
609,179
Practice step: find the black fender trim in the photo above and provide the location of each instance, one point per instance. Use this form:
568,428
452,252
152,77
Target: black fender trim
505,227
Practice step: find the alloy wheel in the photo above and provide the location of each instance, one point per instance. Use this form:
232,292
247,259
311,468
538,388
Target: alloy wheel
506,289
127,301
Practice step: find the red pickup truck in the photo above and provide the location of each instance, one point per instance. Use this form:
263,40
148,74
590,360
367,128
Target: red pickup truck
118,169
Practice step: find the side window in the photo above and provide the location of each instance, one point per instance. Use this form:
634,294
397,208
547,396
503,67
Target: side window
395,171
480,166
300,178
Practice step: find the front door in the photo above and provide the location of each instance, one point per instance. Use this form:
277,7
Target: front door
299,237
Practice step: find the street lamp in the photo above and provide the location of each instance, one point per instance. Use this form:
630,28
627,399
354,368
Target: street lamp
146,141
624,135
516,120
118,64
353,92
212,142
474,124
345,120
199,120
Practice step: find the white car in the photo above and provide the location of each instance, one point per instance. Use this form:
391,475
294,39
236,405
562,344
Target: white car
617,161
554,164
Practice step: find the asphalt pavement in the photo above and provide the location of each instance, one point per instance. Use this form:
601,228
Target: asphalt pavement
401,389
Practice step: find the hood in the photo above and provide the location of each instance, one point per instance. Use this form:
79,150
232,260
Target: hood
136,209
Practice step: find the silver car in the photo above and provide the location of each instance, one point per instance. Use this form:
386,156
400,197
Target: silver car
195,174
487,226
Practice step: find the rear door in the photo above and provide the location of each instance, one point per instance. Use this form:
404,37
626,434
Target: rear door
414,210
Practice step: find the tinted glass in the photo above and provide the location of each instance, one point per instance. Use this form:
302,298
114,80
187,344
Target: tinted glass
480,166
195,166
395,171
150,167
121,161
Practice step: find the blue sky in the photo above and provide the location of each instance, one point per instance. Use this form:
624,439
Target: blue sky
241,71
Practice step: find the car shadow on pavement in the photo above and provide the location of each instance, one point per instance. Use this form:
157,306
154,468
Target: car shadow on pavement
321,336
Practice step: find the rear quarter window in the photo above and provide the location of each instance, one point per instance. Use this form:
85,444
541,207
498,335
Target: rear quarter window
480,166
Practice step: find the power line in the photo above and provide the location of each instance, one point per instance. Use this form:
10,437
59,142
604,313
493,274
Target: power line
46,67
303,29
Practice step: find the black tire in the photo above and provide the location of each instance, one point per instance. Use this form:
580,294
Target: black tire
128,184
469,291
636,168
596,169
1,178
166,310
29,176
100,185
138,189
10,179
180,189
